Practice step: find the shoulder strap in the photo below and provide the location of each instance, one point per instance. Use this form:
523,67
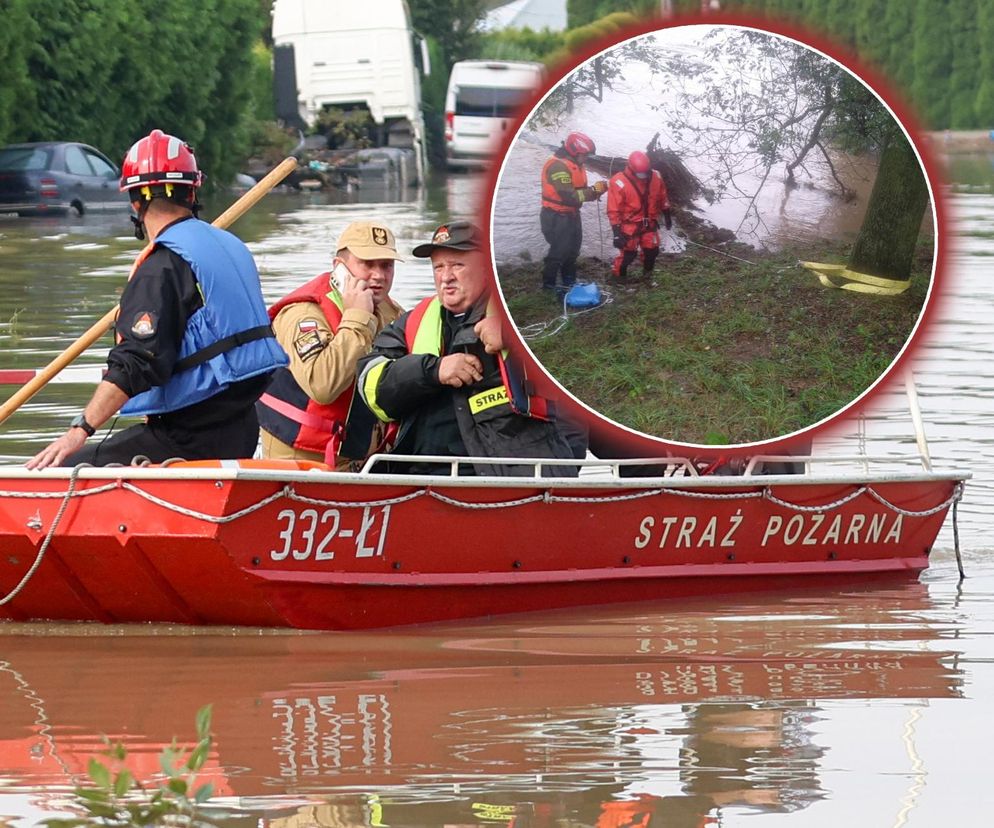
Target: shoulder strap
222,345
424,342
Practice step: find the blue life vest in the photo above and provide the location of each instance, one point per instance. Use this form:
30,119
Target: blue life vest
228,339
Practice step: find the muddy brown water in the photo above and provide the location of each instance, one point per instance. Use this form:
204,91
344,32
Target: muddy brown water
863,706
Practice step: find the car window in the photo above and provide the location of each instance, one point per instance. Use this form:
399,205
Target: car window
76,162
488,100
24,158
101,166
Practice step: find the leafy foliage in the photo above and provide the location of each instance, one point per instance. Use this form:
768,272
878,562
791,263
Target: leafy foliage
519,44
582,12
940,55
108,71
930,51
452,24
753,103
117,799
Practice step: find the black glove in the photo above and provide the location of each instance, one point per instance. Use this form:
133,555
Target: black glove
668,218
620,239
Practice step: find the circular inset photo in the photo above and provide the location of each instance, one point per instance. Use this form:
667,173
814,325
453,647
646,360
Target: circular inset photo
714,235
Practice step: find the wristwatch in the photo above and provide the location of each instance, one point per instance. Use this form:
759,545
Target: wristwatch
79,421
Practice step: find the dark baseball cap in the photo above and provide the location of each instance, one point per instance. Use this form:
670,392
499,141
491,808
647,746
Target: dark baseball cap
456,235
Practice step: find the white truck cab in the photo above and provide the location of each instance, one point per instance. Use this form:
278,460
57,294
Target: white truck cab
351,55
482,99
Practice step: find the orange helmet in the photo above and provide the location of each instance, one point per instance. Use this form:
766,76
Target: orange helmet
638,162
160,159
577,143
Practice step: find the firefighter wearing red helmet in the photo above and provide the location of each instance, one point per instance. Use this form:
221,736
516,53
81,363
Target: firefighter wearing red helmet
195,349
564,192
636,199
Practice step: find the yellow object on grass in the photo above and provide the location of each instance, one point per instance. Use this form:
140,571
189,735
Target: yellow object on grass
840,276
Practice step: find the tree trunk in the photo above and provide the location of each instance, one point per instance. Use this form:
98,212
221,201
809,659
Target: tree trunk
886,243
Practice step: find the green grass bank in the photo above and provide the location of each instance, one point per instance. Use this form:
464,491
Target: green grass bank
717,351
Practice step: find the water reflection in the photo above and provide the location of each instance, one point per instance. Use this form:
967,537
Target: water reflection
666,714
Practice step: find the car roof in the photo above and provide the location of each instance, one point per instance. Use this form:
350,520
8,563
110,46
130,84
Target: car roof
27,144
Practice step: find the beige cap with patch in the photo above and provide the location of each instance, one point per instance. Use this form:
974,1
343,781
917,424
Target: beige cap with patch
369,240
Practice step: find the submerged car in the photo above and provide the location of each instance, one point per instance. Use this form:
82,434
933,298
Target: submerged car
55,177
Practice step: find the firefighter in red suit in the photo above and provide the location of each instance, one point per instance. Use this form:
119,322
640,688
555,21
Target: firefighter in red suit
636,198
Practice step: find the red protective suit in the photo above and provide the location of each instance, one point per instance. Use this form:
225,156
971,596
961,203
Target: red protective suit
635,205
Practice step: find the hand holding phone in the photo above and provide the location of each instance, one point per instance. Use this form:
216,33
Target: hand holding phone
355,292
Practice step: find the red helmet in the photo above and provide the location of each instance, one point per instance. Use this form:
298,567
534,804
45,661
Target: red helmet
160,159
638,162
577,143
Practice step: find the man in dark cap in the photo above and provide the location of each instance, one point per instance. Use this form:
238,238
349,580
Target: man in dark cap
438,372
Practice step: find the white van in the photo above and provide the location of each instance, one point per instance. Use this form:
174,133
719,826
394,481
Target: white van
481,102
339,53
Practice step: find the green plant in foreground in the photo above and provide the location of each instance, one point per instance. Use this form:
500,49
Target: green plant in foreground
118,799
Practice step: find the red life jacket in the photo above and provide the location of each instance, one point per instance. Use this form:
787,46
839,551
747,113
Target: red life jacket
550,196
285,410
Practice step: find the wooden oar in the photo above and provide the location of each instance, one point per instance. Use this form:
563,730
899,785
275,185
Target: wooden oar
98,329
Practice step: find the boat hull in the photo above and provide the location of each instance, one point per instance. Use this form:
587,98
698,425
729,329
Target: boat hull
325,551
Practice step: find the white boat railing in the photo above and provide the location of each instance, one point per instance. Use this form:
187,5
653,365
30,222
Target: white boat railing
612,467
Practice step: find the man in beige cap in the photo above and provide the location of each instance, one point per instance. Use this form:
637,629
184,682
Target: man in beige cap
325,326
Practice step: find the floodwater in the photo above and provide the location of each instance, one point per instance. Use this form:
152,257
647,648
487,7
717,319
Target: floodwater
807,214
866,706
761,212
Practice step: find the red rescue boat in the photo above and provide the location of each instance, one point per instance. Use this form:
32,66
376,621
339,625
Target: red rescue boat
274,543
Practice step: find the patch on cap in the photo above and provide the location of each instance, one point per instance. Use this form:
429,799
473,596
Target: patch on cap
368,240
441,235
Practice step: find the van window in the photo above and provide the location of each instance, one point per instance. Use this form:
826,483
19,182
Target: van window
488,101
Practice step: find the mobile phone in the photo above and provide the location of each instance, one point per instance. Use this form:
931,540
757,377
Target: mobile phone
339,274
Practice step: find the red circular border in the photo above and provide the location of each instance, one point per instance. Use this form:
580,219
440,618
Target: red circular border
626,441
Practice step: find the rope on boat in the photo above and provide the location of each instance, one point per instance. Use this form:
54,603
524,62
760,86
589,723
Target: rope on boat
175,507
959,560
952,500
842,501
387,501
51,495
73,476
652,492
287,491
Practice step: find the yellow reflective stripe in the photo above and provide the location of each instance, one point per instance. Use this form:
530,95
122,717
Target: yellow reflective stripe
487,399
829,274
370,379
336,299
428,338
491,812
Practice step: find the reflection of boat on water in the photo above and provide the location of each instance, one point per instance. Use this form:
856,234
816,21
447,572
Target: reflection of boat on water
549,706
265,543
